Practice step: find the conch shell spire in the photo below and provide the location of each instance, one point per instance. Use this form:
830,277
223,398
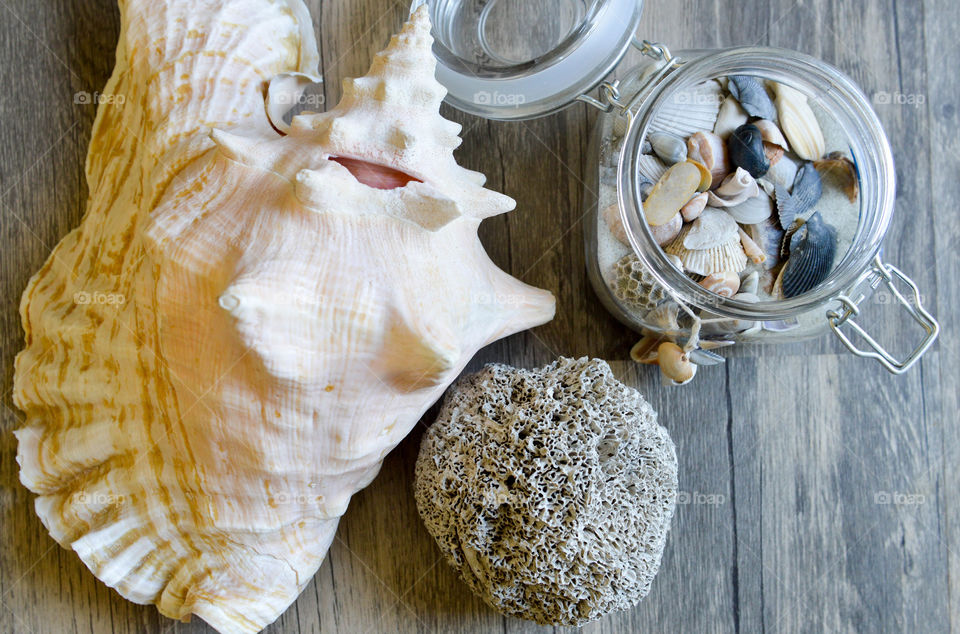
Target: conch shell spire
247,322
398,100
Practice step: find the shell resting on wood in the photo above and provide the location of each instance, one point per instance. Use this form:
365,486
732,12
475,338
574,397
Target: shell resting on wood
287,308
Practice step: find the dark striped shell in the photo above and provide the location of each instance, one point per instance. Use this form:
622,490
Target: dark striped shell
806,192
812,250
753,97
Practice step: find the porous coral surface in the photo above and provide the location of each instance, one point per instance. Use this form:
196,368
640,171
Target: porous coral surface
550,490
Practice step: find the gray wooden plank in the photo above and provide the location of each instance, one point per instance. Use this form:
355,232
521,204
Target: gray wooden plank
838,504
942,372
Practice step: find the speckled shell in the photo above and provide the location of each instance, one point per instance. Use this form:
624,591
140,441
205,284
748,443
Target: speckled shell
272,326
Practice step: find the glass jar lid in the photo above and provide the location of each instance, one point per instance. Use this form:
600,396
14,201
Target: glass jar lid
503,59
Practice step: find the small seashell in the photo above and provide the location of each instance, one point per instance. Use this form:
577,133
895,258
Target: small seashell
695,207
735,189
671,149
766,186
706,178
675,364
752,210
838,169
770,133
739,325
710,150
665,233
750,283
751,248
633,285
664,318
768,236
612,217
812,249
806,192
645,350
752,95
730,117
783,172
798,123
725,283
725,257
645,187
773,153
714,324
704,357
674,190
650,167
713,228
746,150
688,111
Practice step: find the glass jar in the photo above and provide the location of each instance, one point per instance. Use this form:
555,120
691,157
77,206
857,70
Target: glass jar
492,71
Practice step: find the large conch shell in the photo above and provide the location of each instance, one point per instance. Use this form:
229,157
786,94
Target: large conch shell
224,351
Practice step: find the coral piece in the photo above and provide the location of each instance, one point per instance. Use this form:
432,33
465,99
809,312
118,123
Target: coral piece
285,308
551,491
634,285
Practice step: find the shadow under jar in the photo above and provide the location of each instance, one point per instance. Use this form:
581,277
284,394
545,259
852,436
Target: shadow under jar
518,59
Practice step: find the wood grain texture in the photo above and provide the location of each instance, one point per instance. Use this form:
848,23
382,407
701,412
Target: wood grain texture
820,493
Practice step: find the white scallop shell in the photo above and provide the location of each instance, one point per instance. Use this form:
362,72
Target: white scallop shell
728,256
688,111
651,167
283,310
712,228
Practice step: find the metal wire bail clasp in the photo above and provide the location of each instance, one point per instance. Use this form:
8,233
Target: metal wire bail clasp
877,274
610,90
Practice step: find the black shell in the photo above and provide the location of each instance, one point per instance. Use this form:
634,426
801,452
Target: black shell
807,190
752,96
746,150
812,249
